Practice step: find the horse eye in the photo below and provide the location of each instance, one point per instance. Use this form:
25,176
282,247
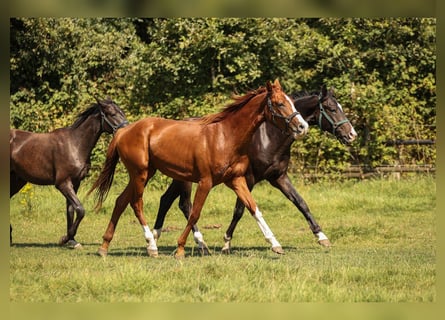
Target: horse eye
280,105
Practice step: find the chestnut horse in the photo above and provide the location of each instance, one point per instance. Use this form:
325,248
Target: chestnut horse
62,158
269,155
210,151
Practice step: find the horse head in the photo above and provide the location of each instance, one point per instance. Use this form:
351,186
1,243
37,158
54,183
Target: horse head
332,118
282,113
113,118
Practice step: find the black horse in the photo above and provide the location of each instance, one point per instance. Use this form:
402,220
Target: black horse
62,158
269,156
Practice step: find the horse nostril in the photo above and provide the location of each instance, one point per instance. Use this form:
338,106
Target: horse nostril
301,127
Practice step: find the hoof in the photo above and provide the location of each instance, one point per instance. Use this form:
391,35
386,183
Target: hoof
73,244
226,250
325,243
180,254
278,250
205,251
63,240
153,253
102,252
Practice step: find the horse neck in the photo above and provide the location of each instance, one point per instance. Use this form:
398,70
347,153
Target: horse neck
273,139
307,106
243,123
87,134
277,142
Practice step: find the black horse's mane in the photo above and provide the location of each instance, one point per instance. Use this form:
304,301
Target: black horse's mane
303,93
93,109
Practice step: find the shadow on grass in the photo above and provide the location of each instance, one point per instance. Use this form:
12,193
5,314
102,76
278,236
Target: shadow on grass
35,245
193,252
47,245
90,249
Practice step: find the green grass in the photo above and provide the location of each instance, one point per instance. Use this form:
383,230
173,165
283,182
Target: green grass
383,235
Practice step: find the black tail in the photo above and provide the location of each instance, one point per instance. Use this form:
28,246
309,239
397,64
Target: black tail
105,179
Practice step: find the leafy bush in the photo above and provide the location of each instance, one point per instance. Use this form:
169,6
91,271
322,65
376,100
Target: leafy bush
383,71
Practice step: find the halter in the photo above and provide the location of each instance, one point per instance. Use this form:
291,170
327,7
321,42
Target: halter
274,114
335,125
113,127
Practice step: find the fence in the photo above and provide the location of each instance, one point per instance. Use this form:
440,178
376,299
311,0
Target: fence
395,171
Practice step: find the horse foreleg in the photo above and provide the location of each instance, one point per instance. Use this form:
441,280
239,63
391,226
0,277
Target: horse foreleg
69,223
15,184
200,196
239,185
73,204
182,190
237,215
284,184
185,205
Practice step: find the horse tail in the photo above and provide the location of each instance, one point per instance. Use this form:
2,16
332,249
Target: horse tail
105,179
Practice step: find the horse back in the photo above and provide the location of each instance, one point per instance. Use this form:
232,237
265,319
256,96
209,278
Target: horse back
37,157
183,150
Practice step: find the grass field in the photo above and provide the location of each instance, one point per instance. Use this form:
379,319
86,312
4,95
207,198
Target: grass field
383,235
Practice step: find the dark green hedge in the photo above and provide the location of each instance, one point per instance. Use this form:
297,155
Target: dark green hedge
383,71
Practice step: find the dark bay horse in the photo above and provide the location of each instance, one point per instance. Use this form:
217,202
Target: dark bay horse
269,155
208,152
62,158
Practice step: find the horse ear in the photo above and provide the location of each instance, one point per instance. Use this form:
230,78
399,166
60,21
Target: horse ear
324,90
98,100
277,84
269,86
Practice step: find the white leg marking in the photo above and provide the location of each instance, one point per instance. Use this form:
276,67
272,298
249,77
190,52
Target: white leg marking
321,236
226,246
150,238
199,239
268,234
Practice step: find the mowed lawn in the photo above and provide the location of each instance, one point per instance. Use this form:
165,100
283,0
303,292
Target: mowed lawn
383,234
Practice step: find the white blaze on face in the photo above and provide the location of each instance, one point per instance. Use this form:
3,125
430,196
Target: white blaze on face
339,106
353,133
299,117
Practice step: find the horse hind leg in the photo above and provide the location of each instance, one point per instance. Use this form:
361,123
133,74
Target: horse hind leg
121,203
138,182
165,203
285,186
237,214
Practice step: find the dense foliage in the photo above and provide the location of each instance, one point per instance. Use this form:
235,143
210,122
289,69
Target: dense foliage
383,71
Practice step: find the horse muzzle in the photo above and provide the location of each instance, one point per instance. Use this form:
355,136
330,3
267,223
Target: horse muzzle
298,127
349,137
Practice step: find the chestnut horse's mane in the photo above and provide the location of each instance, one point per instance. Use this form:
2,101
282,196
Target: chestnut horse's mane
233,107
